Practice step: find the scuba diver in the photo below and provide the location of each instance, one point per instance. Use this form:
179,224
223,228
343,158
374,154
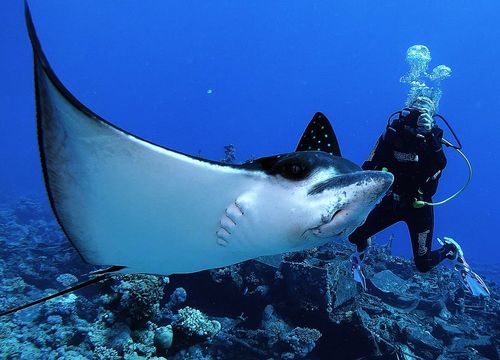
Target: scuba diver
411,149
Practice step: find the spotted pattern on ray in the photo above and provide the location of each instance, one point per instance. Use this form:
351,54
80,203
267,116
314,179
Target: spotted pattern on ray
319,135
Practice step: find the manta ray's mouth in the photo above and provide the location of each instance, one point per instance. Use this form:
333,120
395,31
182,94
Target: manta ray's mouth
327,220
334,214
333,218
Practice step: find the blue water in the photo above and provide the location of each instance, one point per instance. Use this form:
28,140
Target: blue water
197,75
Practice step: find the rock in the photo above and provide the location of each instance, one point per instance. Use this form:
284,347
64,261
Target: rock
273,325
392,289
54,320
446,331
422,341
349,336
305,285
318,289
483,345
301,340
178,297
389,283
163,339
193,322
121,340
105,353
431,306
140,297
66,306
67,280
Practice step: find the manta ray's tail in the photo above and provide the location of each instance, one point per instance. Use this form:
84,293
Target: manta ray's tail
98,276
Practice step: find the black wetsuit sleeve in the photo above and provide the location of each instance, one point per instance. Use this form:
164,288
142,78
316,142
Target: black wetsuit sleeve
434,140
435,164
380,155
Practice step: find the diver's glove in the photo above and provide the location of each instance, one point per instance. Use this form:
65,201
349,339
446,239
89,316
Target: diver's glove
425,123
357,265
471,281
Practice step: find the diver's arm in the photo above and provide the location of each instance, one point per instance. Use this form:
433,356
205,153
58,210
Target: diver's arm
436,154
435,164
378,157
429,188
382,154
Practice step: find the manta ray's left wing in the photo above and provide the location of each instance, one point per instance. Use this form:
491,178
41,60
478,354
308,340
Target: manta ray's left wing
122,200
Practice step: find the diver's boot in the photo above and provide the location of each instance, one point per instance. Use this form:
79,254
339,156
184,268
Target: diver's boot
357,265
471,281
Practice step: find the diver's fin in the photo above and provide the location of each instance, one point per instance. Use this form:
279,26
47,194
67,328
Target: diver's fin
319,135
473,282
470,280
357,267
60,293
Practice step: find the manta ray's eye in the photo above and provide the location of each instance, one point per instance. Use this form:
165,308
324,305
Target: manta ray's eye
294,166
294,171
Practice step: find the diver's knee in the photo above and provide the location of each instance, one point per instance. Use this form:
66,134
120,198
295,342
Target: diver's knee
361,242
422,266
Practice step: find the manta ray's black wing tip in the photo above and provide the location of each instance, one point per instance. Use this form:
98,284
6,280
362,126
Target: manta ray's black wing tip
38,54
42,67
319,135
31,28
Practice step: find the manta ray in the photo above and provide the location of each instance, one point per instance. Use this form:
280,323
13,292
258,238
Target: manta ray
124,201
138,207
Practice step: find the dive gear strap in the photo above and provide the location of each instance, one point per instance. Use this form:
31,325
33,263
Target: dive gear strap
419,203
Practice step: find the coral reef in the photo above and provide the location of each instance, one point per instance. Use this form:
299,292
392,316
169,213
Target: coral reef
193,322
306,306
138,297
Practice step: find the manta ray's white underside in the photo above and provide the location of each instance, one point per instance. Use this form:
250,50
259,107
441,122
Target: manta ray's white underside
124,201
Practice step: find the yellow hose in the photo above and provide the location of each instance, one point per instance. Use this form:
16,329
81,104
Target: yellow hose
419,203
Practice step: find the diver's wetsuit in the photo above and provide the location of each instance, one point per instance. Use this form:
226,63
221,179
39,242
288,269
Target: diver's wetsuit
416,162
